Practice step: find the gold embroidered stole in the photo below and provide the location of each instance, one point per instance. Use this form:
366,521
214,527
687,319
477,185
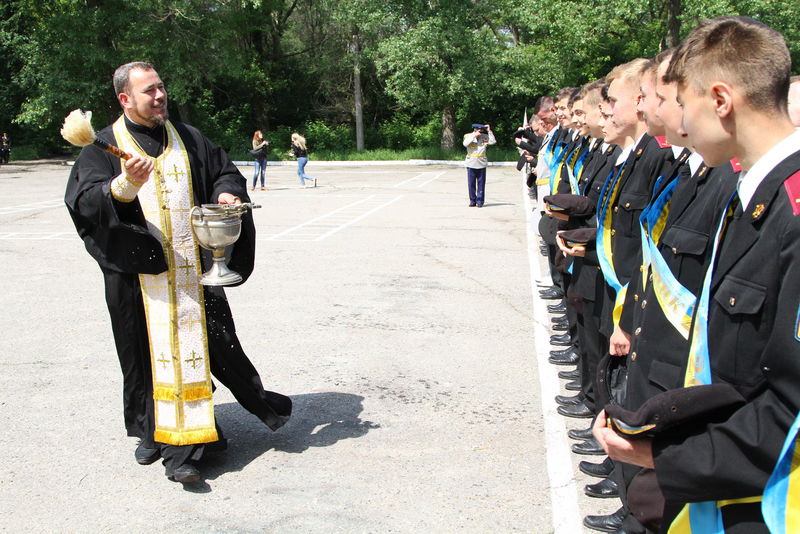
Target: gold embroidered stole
173,300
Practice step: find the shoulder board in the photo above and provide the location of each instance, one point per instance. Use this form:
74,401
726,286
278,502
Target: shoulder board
737,167
662,141
792,186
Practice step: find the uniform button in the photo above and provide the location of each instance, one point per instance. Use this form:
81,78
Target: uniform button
733,301
598,267
636,298
627,204
637,331
644,304
613,232
633,356
650,277
641,268
616,209
674,250
766,370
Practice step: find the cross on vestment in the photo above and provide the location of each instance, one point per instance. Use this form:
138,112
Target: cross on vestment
194,359
189,323
186,265
175,172
163,360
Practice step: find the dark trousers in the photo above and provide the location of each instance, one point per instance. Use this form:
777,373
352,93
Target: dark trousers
476,182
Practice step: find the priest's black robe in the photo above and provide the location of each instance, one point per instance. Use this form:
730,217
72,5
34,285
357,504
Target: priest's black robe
116,236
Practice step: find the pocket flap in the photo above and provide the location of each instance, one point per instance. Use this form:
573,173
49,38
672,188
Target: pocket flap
633,201
665,375
737,296
685,240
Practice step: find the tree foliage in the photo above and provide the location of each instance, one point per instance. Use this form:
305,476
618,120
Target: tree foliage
426,69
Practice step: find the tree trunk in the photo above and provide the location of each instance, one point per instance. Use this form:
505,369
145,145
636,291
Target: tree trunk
356,48
448,127
674,9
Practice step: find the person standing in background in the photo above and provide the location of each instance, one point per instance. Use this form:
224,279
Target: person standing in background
5,148
300,151
259,152
476,162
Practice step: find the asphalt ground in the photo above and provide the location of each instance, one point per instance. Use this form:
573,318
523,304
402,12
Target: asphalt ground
405,326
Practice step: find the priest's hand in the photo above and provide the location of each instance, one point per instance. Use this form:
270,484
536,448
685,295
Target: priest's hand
227,198
138,169
637,452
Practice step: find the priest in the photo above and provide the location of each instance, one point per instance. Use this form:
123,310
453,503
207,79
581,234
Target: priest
171,333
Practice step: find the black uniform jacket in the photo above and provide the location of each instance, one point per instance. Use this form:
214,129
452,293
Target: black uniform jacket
658,355
754,345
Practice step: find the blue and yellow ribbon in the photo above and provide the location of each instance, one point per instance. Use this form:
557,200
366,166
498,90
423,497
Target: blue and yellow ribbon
605,253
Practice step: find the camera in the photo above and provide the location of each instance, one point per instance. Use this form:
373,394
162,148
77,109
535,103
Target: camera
484,130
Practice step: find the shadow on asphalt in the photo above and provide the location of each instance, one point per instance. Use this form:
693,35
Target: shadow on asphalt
318,420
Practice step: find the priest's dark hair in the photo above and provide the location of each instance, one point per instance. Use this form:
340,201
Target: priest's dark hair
122,74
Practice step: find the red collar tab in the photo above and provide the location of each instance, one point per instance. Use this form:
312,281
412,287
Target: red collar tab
792,186
737,167
662,141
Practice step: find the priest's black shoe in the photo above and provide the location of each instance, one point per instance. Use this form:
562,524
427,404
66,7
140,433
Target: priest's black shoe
561,340
569,375
553,293
605,523
184,473
574,385
569,401
605,489
562,352
561,307
601,470
570,358
578,411
145,455
582,434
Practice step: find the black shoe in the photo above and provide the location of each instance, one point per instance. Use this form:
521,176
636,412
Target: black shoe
553,293
578,411
569,401
184,473
605,489
543,250
561,340
562,352
480,204
601,470
145,455
605,523
571,358
583,434
561,307
559,319
575,385
471,204
591,447
570,375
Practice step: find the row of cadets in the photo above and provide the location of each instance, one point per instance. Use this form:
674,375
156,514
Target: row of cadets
710,330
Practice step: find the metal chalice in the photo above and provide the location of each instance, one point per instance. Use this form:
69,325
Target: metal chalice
217,226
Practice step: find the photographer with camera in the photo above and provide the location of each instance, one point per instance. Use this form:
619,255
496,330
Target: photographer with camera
476,162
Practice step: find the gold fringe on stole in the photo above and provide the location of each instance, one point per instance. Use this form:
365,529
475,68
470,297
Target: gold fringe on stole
190,437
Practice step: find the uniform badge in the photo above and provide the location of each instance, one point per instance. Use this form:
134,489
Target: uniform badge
792,186
735,165
758,211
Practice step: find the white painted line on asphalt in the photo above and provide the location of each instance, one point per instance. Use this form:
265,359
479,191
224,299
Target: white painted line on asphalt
326,225
420,175
563,493
37,236
33,206
423,184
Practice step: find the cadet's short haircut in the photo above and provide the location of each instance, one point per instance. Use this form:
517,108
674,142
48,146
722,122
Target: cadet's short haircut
564,93
666,55
592,93
648,68
123,72
573,96
544,102
630,72
740,51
